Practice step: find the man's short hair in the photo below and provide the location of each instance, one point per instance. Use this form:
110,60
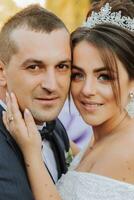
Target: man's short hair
35,18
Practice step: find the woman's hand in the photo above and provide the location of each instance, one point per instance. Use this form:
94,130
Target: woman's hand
23,130
25,133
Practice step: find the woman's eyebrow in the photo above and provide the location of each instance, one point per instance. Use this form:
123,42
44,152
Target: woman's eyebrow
77,68
100,69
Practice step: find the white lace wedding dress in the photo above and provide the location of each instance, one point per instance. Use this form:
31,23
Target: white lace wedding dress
88,186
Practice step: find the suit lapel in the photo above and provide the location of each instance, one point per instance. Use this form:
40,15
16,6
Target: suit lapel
57,147
9,139
59,153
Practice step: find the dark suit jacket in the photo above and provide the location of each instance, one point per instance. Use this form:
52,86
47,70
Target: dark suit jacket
14,184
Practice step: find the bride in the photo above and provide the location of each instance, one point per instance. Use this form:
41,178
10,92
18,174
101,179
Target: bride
102,88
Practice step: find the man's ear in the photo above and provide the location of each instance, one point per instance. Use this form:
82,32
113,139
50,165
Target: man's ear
2,74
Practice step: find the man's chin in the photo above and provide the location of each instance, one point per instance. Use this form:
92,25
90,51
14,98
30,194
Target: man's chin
40,116
42,119
39,122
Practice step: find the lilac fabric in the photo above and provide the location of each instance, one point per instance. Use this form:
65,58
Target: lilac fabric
77,129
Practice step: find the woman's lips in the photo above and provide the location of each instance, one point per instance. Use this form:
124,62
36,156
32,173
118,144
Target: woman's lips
91,106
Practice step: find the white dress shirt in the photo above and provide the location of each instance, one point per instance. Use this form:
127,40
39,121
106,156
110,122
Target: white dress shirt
47,153
3,104
48,157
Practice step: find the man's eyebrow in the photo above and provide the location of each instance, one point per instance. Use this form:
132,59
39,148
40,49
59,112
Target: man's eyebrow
65,61
31,60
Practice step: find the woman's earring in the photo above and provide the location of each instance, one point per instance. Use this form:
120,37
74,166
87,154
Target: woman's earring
130,106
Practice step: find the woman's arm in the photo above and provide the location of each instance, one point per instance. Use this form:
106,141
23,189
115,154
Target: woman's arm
25,133
41,183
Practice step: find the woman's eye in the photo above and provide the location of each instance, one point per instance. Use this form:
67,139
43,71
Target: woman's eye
105,77
77,76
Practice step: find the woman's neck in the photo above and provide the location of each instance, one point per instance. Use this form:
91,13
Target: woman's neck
110,127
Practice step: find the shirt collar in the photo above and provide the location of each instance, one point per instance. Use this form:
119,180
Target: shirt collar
40,127
3,104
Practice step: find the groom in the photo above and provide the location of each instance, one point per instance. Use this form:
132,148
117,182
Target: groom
35,64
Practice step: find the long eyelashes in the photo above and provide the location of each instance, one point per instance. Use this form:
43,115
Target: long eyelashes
77,76
105,77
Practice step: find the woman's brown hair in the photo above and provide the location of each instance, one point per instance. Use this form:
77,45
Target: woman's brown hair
112,42
125,6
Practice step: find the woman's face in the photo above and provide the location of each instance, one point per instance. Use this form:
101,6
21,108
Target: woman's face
91,86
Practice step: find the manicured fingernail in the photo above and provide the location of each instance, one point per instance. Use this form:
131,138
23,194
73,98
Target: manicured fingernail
7,97
12,94
27,112
7,94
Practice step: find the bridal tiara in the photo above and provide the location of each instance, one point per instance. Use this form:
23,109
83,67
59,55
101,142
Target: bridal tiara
106,16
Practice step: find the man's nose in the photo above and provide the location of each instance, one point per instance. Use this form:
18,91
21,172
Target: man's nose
49,80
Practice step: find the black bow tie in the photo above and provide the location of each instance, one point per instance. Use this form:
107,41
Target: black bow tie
47,131
57,145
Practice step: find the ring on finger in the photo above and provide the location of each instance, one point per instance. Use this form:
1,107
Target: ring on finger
10,119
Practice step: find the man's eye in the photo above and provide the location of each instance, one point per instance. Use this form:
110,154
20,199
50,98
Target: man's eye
33,67
77,77
63,67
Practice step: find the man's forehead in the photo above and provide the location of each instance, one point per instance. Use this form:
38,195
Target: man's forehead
57,40
42,50
42,46
24,30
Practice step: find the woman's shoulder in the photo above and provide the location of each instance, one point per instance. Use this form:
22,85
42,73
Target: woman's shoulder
117,159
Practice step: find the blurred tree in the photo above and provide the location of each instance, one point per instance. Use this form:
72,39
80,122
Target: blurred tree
7,8
72,12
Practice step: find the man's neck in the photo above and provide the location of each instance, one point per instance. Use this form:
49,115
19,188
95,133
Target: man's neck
40,127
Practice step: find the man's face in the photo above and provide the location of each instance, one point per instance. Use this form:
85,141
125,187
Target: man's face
39,73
